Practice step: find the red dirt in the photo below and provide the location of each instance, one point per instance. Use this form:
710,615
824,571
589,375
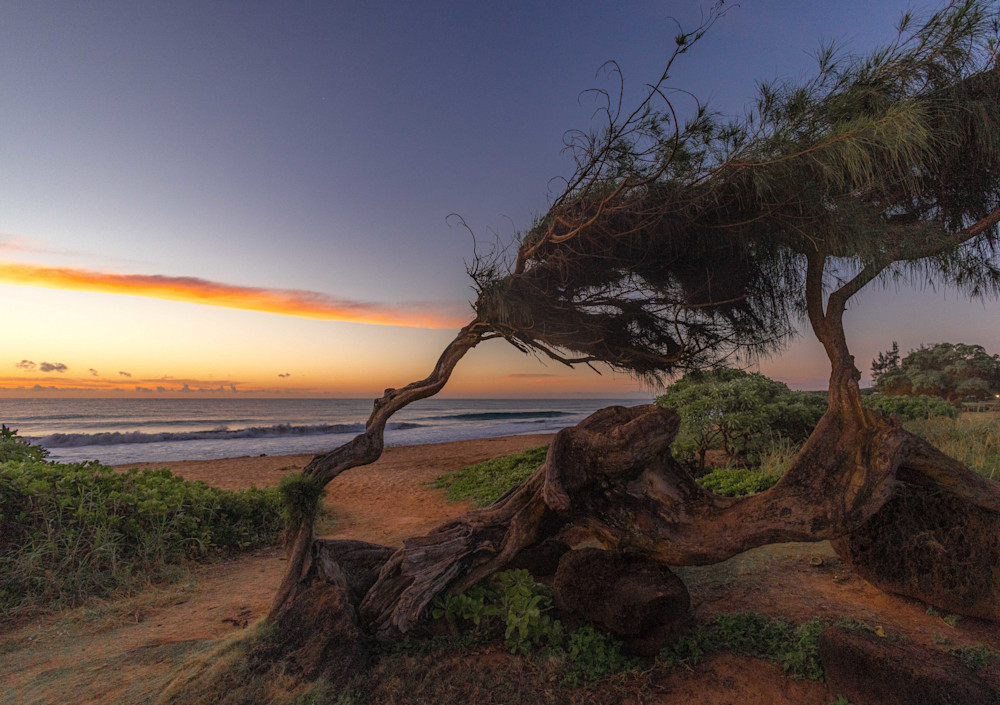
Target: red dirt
124,652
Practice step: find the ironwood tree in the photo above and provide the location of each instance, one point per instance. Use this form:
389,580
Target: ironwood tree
683,243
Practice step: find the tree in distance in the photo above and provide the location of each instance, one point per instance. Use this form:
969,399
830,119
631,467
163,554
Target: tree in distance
686,240
954,371
743,413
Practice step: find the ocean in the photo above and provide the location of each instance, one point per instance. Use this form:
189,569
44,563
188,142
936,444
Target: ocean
117,431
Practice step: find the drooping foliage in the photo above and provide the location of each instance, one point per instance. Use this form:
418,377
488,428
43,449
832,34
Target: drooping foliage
953,371
684,242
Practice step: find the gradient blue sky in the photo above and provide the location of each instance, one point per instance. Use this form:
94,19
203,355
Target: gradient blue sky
320,147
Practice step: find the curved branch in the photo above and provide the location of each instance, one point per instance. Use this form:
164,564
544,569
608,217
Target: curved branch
367,447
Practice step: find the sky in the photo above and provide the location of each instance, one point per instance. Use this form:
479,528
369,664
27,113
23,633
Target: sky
236,198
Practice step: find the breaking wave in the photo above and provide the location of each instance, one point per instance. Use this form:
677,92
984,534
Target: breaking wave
222,433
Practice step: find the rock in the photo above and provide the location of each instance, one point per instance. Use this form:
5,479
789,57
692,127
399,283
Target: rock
872,670
933,546
632,597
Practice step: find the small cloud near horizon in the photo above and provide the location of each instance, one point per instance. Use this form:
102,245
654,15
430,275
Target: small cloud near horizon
526,375
284,374
93,372
124,374
52,367
25,365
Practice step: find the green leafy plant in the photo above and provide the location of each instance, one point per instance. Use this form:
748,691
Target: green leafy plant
594,655
510,600
911,408
484,483
951,371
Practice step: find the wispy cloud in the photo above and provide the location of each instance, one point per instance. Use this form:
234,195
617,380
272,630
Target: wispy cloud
125,374
284,374
287,302
52,367
25,365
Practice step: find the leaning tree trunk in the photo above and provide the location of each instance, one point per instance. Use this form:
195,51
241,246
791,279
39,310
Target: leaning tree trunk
364,449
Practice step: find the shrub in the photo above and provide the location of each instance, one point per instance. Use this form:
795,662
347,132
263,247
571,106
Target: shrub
910,408
71,531
737,482
742,413
486,482
595,655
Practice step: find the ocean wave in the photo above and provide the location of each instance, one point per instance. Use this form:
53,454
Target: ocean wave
222,433
500,415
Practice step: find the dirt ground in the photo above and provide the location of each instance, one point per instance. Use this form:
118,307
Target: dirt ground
124,651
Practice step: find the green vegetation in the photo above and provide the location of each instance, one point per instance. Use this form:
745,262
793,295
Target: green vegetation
69,531
513,604
974,439
952,371
510,599
737,482
796,648
744,414
300,498
911,408
976,657
484,483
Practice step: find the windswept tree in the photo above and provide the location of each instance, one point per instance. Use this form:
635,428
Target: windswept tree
682,243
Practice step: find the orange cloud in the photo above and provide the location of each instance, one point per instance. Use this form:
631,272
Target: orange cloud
285,302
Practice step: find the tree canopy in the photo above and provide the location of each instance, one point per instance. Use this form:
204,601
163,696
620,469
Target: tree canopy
953,371
682,243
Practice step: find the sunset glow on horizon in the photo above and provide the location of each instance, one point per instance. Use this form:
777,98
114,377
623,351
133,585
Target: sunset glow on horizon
211,199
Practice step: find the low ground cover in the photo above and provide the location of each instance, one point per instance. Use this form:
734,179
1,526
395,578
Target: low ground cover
73,531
